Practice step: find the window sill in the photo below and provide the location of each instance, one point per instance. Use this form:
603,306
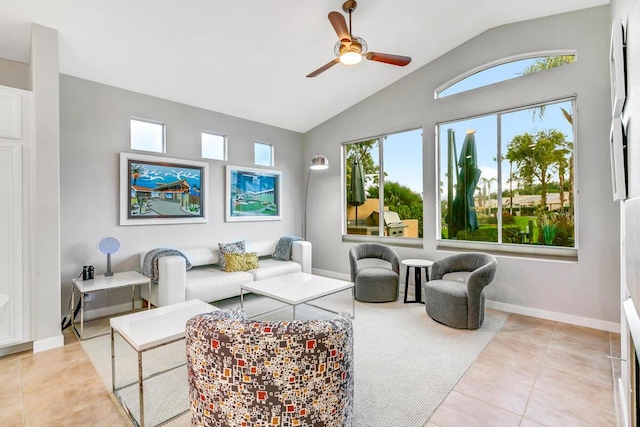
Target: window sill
404,242
514,250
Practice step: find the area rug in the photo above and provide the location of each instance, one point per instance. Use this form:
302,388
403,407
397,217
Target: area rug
405,363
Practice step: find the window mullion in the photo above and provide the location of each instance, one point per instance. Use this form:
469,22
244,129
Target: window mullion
381,186
499,179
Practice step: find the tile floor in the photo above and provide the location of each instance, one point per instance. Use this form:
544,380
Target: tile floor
533,373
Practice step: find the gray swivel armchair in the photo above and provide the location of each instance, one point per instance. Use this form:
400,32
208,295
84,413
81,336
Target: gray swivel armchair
375,271
455,294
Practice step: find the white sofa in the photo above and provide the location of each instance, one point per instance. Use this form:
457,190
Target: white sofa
207,282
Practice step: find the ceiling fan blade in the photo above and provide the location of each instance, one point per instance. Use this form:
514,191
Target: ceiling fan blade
324,68
387,58
340,25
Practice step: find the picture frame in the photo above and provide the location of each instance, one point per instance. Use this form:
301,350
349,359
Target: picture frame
617,155
253,194
162,190
617,68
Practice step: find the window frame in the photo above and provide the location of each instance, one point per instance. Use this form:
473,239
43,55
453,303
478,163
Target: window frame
496,63
150,121
413,242
545,252
271,154
225,154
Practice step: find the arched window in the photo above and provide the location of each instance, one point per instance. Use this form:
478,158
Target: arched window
505,69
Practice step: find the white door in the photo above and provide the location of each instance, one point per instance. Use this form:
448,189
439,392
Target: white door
13,304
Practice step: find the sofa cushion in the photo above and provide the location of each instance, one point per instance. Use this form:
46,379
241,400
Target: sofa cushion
241,262
211,284
271,268
238,247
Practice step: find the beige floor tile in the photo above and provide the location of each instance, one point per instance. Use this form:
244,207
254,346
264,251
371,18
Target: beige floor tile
579,364
42,362
528,335
592,347
580,388
461,410
552,409
522,370
519,321
503,390
510,347
11,414
9,368
528,423
567,330
10,391
43,381
430,424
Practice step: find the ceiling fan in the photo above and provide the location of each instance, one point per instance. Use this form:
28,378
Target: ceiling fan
350,49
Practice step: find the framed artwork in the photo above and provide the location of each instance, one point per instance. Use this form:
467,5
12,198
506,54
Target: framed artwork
616,68
253,194
161,190
618,169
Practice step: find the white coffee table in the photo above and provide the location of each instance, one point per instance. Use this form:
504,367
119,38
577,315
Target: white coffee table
105,283
146,330
299,288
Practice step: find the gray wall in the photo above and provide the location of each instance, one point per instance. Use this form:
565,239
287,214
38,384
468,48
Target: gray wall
586,289
95,123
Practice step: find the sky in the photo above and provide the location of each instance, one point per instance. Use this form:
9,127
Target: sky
403,151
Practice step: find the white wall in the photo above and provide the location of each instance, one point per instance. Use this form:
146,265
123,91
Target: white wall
583,292
95,123
45,215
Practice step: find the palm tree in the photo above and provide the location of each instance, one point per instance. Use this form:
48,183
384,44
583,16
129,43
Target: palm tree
546,63
486,191
136,171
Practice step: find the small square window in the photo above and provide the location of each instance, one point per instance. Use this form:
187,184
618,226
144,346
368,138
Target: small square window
214,146
147,136
263,154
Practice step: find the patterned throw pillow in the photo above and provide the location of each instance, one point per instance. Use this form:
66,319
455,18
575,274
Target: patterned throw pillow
230,248
241,262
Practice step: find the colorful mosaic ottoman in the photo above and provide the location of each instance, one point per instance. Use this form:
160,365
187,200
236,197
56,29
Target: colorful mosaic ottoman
269,373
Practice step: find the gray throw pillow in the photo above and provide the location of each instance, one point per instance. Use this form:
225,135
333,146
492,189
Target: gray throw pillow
230,248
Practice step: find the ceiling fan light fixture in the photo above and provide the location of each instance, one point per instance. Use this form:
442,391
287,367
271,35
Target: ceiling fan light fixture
350,58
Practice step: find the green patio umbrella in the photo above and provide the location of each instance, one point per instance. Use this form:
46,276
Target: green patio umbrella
464,210
451,164
356,195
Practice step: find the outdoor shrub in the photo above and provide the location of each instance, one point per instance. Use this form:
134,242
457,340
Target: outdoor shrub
507,218
483,219
510,234
492,220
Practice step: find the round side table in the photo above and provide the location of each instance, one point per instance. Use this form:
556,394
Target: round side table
418,265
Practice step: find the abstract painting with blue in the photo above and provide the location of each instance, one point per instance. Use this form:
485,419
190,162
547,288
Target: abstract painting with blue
164,190
253,194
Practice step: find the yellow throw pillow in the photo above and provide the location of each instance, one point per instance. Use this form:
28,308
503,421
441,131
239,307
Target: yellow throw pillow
241,262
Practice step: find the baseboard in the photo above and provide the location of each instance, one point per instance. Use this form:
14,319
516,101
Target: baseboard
555,316
108,311
48,343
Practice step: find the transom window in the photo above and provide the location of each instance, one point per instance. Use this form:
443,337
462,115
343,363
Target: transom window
508,177
214,146
505,69
263,154
384,174
147,135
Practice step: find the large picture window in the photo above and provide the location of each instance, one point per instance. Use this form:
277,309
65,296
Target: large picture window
384,174
508,178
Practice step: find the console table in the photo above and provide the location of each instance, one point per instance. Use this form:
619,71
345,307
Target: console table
103,283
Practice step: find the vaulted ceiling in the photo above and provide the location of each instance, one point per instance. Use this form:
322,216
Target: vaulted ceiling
250,59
